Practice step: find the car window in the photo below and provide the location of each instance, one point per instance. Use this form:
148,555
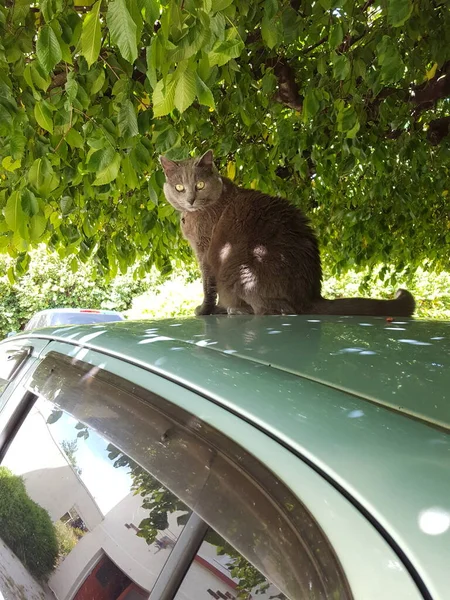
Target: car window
181,470
219,571
40,320
71,507
82,318
12,358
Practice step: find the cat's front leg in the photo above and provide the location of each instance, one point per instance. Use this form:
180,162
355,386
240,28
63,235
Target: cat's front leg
209,305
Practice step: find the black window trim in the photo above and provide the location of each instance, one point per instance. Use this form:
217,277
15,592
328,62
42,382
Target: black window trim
26,353
15,421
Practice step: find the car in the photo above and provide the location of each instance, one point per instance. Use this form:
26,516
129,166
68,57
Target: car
71,316
227,457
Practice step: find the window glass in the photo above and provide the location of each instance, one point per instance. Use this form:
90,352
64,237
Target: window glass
78,511
12,357
183,464
219,571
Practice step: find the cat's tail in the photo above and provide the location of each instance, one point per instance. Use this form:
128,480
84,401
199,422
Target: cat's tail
402,306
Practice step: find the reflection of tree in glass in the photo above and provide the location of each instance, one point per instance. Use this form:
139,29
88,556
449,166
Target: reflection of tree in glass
160,503
70,449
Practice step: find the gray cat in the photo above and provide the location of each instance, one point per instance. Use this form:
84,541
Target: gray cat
258,252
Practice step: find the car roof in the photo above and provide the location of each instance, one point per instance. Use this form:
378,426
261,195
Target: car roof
402,364
337,391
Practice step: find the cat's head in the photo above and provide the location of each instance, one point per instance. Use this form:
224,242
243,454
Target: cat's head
191,184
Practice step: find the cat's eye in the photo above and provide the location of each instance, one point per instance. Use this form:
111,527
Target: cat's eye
179,187
200,185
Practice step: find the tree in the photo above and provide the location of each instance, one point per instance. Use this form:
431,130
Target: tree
70,448
342,106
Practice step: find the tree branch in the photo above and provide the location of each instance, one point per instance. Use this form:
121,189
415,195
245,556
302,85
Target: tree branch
438,130
426,95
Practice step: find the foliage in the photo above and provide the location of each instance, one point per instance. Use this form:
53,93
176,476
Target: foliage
51,283
340,105
26,527
70,448
67,537
178,295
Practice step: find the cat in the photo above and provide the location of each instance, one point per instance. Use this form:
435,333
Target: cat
257,252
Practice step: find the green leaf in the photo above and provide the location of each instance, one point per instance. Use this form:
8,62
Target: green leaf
336,35
185,90
347,120
71,87
311,104
100,159
223,52
66,204
48,50
220,5
153,55
127,121
341,67
38,225
390,60
204,94
122,29
91,34
17,143
109,173
21,10
30,205
42,177
151,10
14,216
98,82
164,96
9,164
399,11
270,31
74,138
39,77
131,179
43,116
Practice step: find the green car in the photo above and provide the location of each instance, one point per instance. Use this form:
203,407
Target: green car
226,457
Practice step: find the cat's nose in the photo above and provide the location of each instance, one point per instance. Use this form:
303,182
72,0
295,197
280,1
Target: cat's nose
191,200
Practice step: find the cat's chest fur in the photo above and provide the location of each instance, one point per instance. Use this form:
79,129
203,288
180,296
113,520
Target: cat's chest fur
198,227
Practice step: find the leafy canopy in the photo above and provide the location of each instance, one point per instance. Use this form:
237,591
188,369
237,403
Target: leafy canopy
340,105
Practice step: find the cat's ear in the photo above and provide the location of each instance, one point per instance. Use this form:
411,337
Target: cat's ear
206,160
168,165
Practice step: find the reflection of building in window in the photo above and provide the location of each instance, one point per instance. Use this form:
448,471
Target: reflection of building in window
107,581
72,518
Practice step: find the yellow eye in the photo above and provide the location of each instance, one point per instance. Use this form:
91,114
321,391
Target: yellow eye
200,185
179,187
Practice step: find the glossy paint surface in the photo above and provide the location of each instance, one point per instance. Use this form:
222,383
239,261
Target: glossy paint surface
308,382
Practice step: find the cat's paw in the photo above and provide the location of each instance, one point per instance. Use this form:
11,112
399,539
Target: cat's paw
207,309
242,310
220,310
204,309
